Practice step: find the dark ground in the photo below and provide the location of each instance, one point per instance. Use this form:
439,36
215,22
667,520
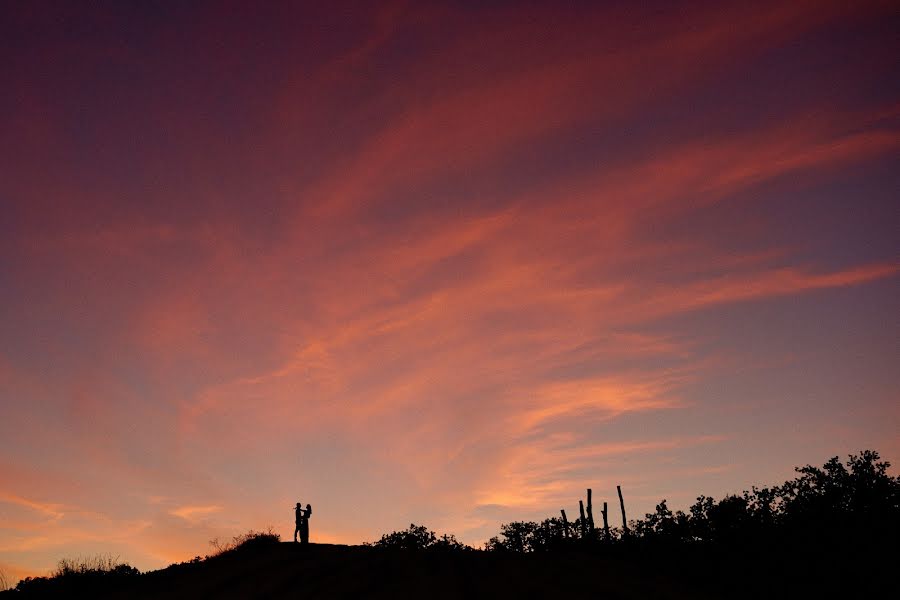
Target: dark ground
287,570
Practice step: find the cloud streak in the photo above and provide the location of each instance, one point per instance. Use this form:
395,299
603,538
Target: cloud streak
461,262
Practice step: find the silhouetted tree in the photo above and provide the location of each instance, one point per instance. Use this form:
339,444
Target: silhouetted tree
859,500
663,525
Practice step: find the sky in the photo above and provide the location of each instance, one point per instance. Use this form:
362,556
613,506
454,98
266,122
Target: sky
436,262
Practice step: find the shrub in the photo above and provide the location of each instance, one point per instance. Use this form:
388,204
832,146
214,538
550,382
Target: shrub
246,541
419,537
531,536
96,565
80,576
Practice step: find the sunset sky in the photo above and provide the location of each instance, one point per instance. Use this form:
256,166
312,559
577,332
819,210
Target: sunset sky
437,262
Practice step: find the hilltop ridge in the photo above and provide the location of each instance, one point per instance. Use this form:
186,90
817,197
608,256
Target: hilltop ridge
288,570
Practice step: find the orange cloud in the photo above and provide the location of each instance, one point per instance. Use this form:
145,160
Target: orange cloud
461,263
195,513
538,474
54,511
608,397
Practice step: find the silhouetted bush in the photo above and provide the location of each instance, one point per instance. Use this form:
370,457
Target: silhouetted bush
80,576
419,537
860,497
246,541
97,565
529,536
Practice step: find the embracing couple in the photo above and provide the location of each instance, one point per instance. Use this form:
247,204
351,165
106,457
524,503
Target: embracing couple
301,521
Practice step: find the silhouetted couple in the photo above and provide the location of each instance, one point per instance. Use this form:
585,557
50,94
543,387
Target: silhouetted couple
301,523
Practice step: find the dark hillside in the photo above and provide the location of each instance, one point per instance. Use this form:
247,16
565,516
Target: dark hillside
324,571
286,570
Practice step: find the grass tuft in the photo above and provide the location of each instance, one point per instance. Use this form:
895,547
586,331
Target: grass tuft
101,564
245,541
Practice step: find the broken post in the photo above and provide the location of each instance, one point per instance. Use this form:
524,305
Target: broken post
590,514
583,521
565,523
605,522
622,505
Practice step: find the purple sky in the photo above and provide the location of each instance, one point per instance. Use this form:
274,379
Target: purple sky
433,263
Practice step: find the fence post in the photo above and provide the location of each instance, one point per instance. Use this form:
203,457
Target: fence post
622,505
590,514
583,521
605,522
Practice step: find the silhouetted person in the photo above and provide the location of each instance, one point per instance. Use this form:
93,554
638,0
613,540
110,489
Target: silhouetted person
299,519
304,525
301,522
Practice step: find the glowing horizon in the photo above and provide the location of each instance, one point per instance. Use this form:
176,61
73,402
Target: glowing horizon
433,263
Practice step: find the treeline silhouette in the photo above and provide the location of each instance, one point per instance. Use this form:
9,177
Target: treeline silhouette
831,530
837,503
851,503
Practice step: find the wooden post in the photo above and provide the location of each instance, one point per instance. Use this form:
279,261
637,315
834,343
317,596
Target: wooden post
565,524
622,505
605,522
590,514
583,521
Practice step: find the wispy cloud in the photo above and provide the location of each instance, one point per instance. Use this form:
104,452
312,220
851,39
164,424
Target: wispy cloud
195,513
458,261
52,510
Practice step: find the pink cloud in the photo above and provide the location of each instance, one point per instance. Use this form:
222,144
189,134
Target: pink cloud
443,284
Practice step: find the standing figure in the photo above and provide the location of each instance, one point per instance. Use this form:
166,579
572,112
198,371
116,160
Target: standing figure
304,525
298,521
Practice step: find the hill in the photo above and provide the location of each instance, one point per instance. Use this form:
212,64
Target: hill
288,570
